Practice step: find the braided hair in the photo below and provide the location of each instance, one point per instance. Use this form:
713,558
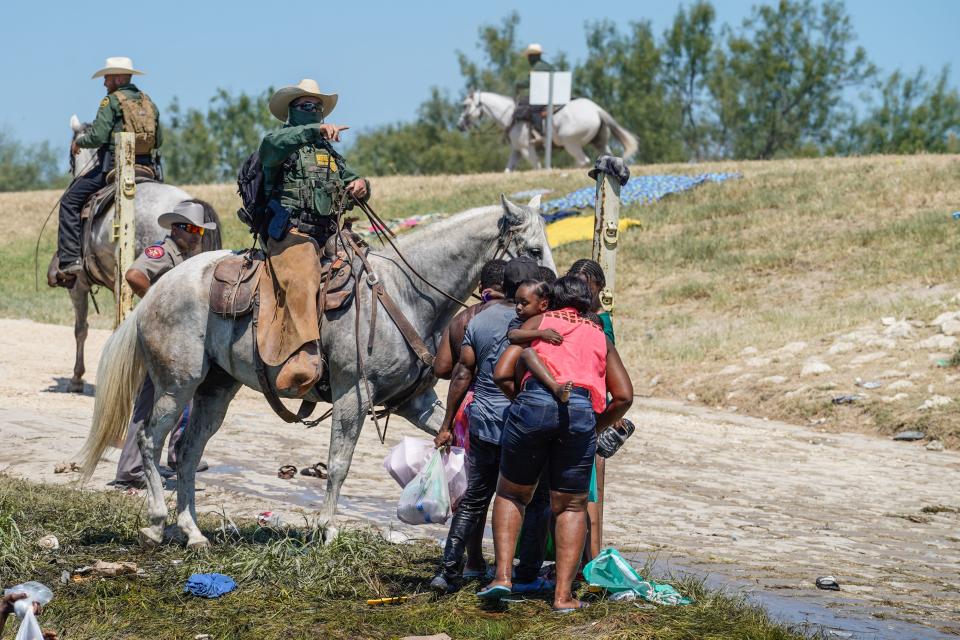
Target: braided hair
590,269
547,275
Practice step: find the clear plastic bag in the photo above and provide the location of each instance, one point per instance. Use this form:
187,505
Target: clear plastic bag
426,498
36,592
411,455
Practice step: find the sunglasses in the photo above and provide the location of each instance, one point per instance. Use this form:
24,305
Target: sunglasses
189,228
309,107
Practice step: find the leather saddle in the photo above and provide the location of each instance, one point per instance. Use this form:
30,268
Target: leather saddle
236,280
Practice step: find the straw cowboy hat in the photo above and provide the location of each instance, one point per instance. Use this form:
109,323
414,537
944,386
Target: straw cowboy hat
185,212
280,101
118,66
533,49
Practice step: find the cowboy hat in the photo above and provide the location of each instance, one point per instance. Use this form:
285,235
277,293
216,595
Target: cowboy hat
280,101
187,213
533,49
118,66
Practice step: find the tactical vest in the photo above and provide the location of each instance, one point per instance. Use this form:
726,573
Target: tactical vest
311,184
139,118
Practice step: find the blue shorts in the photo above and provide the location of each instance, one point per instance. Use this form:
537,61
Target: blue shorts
541,431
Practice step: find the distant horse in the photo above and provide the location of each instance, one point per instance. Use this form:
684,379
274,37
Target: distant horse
191,353
580,123
152,199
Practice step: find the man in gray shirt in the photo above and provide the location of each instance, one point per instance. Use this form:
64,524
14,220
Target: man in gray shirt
484,342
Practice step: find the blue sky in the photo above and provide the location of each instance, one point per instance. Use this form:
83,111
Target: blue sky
381,57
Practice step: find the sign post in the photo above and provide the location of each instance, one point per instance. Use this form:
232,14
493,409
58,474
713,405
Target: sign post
549,88
124,229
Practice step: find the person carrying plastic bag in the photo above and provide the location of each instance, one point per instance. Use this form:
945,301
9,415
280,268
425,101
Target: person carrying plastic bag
410,456
426,498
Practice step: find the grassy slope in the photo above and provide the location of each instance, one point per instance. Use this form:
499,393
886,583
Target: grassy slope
289,587
797,250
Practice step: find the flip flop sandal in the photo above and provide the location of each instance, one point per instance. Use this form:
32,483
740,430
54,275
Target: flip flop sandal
611,439
565,610
318,470
286,472
476,574
493,594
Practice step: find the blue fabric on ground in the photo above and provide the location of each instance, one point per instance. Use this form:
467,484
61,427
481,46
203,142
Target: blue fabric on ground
642,189
209,585
559,215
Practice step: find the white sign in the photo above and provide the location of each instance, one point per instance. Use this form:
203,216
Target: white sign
540,87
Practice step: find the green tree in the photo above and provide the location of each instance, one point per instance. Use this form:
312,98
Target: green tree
24,168
915,115
687,52
778,84
622,73
210,147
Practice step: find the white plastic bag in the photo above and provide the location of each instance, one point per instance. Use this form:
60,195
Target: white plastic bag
407,459
426,498
29,628
36,592
411,455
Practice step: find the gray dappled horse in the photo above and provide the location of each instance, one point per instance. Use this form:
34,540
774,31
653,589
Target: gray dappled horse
192,353
152,199
579,123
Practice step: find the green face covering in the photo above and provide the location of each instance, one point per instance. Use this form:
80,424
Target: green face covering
298,118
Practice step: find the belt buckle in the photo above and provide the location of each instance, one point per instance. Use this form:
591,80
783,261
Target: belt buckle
373,279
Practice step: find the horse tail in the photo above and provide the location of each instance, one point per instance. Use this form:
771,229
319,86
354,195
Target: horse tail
624,137
119,376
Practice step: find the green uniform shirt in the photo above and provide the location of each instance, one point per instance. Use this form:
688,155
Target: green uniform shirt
109,121
308,187
523,87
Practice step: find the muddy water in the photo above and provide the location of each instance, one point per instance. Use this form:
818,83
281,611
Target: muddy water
831,614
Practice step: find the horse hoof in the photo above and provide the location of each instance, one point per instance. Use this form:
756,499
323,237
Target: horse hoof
75,386
199,543
149,538
330,534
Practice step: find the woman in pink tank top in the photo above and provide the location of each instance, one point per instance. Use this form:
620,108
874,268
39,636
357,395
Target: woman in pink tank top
543,430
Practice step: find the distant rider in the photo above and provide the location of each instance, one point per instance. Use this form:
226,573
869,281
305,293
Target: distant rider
524,112
125,108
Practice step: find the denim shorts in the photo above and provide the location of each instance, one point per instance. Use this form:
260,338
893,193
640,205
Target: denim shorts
540,430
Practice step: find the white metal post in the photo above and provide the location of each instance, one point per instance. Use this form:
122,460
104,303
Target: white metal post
548,149
124,229
606,233
606,237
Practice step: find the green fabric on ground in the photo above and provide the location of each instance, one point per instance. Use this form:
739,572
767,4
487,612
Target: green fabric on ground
611,571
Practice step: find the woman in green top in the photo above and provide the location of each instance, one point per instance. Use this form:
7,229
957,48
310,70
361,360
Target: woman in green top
592,273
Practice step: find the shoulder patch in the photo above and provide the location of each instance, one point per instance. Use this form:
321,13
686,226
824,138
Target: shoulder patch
104,102
154,251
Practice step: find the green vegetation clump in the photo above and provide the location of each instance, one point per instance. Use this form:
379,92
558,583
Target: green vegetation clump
291,585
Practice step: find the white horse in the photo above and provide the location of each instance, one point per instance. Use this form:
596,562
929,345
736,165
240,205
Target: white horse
580,123
153,199
193,354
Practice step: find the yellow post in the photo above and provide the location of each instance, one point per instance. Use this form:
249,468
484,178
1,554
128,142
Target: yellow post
606,236
124,228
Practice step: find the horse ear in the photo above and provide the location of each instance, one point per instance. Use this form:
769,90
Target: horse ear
514,213
75,125
535,203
